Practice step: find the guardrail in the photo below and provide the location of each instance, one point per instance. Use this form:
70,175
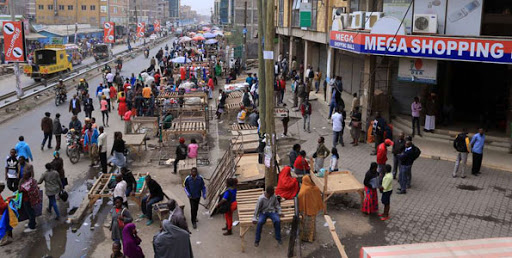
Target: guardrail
71,75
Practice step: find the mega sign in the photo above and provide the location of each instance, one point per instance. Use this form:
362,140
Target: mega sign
14,41
108,32
464,49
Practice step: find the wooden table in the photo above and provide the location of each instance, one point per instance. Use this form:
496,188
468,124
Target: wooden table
247,200
337,182
135,142
141,121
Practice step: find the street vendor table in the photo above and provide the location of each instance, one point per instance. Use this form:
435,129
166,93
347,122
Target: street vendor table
489,247
141,121
247,200
135,142
337,182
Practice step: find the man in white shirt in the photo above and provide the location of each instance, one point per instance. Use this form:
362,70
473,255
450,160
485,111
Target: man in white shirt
337,128
102,148
110,78
120,189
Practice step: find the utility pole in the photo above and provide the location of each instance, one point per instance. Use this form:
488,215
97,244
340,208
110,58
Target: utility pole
108,20
244,57
261,67
19,90
270,174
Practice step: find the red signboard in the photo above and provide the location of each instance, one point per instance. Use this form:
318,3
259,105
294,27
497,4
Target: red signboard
157,25
141,27
108,32
14,41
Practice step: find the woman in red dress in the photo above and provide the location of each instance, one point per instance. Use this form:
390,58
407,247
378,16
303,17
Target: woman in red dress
371,201
122,105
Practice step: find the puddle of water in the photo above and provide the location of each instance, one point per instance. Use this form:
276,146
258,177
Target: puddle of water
469,187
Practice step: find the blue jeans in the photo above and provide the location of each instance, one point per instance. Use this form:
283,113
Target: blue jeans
263,219
147,206
31,214
405,177
337,137
332,106
53,203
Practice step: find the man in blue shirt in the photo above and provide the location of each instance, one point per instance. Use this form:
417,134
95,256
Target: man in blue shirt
477,148
194,186
22,149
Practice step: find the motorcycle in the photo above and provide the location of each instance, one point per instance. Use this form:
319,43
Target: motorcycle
74,147
60,97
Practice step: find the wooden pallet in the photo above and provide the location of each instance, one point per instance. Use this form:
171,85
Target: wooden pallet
246,200
161,209
100,189
144,122
191,127
239,127
140,192
235,94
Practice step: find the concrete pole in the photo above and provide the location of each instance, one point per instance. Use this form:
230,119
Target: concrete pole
261,67
19,89
108,20
244,57
270,174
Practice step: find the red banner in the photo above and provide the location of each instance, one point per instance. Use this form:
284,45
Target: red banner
157,25
14,41
141,28
109,32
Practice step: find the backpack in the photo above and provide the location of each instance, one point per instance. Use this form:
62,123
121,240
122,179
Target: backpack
246,100
416,152
460,143
311,74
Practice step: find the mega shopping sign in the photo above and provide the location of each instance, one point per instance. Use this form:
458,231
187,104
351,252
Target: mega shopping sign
448,48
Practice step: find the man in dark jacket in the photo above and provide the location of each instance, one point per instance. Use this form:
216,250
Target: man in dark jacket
379,126
57,131
74,105
88,106
155,195
406,159
176,215
75,124
398,147
294,154
47,128
181,153
194,186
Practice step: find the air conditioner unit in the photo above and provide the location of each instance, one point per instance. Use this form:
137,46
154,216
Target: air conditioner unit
339,19
357,20
425,23
371,18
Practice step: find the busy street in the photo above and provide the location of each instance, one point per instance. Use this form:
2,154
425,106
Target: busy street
188,131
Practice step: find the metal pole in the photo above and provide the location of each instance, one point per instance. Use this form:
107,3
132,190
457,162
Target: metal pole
19,90
108,20
270,174
244,57
261,67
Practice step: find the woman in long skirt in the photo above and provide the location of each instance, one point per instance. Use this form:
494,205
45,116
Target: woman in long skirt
371,200
310,203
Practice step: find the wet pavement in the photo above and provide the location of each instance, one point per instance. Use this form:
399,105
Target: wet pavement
60,239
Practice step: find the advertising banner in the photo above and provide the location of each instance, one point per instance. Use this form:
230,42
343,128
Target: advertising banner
415,46
14,41
108,32
157,25
141,28
464,17
417,70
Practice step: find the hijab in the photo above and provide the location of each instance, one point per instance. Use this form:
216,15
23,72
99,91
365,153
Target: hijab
131,243
310,197
287,186
172,241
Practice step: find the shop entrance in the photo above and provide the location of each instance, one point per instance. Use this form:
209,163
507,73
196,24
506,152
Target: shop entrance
475,94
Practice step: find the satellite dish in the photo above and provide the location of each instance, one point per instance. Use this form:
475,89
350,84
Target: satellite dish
388,25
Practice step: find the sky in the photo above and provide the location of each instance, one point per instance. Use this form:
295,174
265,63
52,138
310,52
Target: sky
201,6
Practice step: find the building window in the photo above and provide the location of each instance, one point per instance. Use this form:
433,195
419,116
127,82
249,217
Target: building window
281,13
40,7
50,7
84,7
115,9
296,13
70,8
103,9
92,7
61,7
314,7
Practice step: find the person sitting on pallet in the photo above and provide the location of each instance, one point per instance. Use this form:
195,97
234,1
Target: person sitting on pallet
181,153
176,216
268,206
155,195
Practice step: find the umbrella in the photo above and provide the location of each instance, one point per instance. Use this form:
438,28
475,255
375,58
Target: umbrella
209,35
219,33
206,29
180,60
191,33
185,39
211,41
198,38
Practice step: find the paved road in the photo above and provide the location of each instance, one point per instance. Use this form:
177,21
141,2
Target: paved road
51,237
9,83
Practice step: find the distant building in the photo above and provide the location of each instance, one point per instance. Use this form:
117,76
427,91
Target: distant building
174,10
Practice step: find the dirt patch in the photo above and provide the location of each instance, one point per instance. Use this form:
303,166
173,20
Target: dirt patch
500,189
484,218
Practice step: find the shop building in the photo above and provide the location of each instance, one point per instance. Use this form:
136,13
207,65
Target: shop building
391,51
